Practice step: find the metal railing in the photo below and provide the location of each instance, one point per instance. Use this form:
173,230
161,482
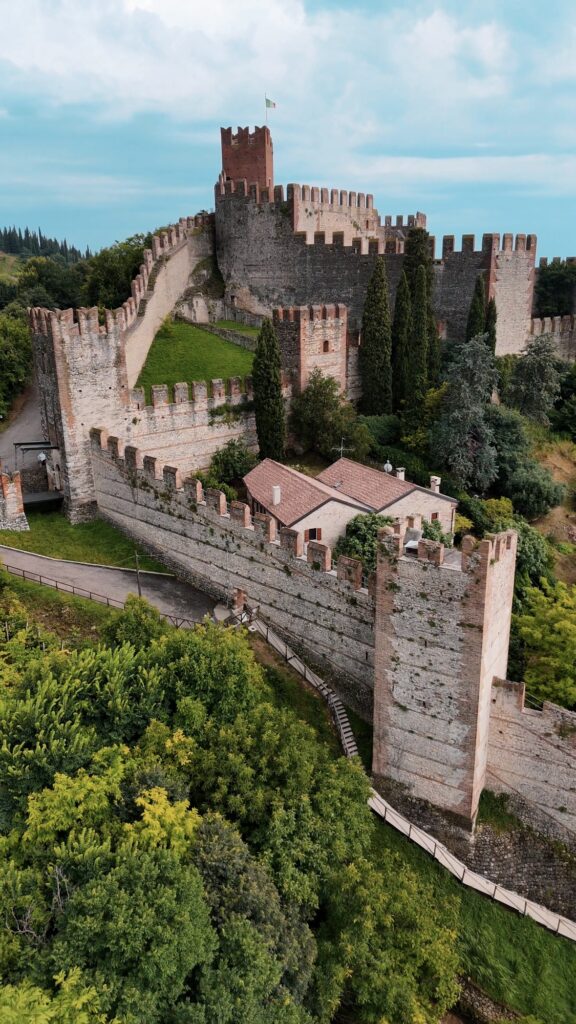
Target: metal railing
180,622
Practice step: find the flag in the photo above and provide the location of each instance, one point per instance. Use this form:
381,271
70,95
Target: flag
270,105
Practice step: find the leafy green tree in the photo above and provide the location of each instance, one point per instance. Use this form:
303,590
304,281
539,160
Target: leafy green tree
418,253
401,343
547,628
61,281
375,353
563,416
490,323
268,401
536,380
529,485
360,539
138,624
417,380
232,462
555,289
321,418
15,359
111,271
475,325
462,438
73,1003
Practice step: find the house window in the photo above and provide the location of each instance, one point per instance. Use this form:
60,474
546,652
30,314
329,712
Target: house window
326,346
314,534
434,516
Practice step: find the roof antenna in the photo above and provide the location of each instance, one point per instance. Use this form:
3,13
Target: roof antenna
340,448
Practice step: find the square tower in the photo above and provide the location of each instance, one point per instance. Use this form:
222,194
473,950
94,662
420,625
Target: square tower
248,155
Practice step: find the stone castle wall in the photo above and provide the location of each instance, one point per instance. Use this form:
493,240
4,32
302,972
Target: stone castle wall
562,330
324,612
313,337
267,263
12,515
532,757
441,631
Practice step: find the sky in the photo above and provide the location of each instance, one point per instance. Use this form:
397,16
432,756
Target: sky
110,109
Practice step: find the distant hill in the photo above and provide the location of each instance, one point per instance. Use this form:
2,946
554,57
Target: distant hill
25,243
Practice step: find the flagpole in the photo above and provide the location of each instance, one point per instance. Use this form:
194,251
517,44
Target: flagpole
266,108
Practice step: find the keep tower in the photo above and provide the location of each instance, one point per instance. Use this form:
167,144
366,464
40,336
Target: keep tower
248,155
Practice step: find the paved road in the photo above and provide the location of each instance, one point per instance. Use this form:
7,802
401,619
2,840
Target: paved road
166,593
25,426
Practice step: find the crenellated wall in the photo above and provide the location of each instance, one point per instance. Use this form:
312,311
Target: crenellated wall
313,337
562,329
12,515
532,757
318,246
219,547
442,630
84,368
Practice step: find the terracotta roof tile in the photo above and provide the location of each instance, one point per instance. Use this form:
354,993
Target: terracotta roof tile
299,494
365,484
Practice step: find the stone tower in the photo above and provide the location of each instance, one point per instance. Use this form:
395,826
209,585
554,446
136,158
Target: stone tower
313,337
248,155
442,631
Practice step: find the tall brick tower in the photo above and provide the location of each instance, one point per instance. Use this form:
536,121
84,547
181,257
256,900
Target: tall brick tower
248,155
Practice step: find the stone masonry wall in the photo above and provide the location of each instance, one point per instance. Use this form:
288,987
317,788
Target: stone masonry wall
440,633
313,337
185,425
322,612
532,756
563,331
265,264
12,515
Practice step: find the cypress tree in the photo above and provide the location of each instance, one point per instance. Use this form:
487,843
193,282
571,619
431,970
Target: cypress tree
490,324
477,312
417,253
268,402
401,333
375,354
433,350
417,380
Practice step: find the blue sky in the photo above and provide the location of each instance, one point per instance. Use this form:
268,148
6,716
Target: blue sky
110,109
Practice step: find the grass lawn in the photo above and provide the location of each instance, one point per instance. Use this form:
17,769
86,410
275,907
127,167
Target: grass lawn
231,325
9,267
74,619
311,463
96,542
183,352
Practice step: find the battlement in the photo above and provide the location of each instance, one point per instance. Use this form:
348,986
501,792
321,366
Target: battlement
12,515
233,391
556,261
329,197
149,471
490,244
553,325
248,156
300,314
70,324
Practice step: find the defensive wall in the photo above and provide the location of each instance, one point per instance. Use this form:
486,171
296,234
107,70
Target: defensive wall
12,515
442,629
424,643
562,330
532,757
271,254
326,612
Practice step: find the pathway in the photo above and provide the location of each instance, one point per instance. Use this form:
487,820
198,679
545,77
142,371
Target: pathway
25,426
167,594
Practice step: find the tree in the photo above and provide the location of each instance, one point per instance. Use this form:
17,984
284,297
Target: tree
268,401
138,624
15,359
321,418
490,323
111,271
360,539
375,352
232,462
401,335
475,324
529,485
418,253
555,291
462,438
547,628
417,379
536,380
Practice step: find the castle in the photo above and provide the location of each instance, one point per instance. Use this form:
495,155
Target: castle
421,646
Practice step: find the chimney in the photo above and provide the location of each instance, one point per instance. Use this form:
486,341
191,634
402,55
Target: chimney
276,494
400,472
435,484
